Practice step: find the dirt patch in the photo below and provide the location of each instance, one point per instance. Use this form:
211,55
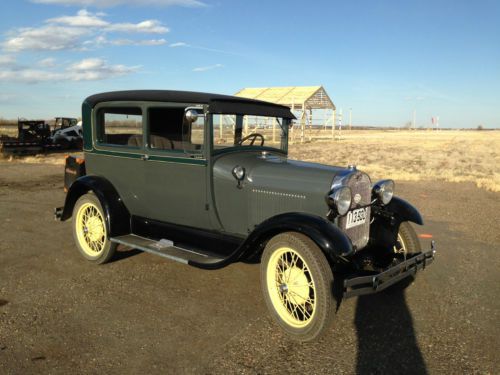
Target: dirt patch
144,314
50,158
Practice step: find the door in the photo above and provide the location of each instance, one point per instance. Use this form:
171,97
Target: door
118,146
175,165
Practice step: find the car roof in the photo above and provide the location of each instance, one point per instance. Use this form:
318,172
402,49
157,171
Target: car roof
218,103
169,96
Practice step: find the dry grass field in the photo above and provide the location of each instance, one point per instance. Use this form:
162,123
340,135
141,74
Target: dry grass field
421,155
10,130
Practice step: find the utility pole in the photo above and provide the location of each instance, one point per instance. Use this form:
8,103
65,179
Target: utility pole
340,124
414,124
350,118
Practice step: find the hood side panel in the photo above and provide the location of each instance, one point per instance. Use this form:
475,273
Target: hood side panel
273,185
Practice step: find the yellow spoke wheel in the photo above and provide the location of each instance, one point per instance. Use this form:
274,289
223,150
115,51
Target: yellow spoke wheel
291,287
89,230
297,285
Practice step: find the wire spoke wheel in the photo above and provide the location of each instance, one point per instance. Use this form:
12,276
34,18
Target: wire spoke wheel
90,231
291,287
406,246
400,246
297,284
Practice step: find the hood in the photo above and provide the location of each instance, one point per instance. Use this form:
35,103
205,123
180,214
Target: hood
273,184
275,172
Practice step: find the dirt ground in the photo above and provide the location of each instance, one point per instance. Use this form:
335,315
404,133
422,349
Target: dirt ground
142,314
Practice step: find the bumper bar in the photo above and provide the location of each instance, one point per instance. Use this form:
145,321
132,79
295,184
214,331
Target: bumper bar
358,286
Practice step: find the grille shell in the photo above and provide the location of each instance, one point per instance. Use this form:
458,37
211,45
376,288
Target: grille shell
359,183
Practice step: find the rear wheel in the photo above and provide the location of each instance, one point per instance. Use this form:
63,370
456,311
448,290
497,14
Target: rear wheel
89,230
297,285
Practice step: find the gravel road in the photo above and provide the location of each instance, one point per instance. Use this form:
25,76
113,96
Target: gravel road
142,314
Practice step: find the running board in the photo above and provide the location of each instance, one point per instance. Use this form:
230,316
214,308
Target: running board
167,249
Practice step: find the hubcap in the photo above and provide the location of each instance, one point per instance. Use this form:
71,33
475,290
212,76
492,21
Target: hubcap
291,287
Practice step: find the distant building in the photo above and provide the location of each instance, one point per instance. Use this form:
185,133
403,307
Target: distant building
302,100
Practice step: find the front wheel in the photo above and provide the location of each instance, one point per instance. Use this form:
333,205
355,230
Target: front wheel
89,230
297,284
407,245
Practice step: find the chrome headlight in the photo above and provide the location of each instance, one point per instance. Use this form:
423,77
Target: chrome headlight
340,199
384,191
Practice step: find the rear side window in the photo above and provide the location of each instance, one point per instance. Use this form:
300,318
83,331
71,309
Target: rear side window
121,126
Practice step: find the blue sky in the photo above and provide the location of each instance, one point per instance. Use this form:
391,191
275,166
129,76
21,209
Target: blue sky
383,59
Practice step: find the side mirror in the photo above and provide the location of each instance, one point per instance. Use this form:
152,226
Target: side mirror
191,115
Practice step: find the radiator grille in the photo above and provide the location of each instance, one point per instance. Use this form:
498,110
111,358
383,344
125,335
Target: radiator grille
360,184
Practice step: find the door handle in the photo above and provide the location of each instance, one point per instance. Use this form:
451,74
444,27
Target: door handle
145,157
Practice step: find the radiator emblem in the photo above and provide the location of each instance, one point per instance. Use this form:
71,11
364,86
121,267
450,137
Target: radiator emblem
357,198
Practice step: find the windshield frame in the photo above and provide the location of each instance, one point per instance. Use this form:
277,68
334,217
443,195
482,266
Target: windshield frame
283,127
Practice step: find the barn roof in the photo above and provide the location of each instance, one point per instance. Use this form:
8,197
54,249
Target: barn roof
314,97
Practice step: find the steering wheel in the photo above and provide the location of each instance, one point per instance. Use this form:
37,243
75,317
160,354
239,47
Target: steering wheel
253,137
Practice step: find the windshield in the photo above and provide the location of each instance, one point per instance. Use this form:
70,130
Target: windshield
245,131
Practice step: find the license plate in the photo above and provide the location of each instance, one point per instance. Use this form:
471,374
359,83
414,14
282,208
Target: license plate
356,217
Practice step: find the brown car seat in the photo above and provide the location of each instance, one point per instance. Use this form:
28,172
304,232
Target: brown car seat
162,143
135,140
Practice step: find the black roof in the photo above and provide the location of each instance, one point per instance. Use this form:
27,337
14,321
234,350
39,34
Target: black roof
218,103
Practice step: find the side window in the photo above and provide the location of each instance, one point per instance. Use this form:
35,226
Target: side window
120,126
176,128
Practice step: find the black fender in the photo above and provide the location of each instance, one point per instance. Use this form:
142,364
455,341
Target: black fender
404,211
385,226
116,214
329,238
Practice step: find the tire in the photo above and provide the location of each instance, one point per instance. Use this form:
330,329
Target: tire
63,143
407,245
303,305
89,230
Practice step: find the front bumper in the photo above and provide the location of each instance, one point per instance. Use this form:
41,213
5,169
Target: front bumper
361,285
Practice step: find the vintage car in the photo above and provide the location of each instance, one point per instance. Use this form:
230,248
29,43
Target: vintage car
204,179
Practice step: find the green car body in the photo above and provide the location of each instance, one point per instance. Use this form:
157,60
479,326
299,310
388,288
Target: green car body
205,179
223,197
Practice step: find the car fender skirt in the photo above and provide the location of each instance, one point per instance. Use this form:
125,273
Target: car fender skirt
404,211
330,239
117,216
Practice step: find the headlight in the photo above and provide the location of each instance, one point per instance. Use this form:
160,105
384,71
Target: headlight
340,199
383,191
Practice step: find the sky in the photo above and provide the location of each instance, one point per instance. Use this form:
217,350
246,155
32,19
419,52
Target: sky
382,59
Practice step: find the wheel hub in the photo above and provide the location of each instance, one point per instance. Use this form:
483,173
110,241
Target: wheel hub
297,285
284,288
94,228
